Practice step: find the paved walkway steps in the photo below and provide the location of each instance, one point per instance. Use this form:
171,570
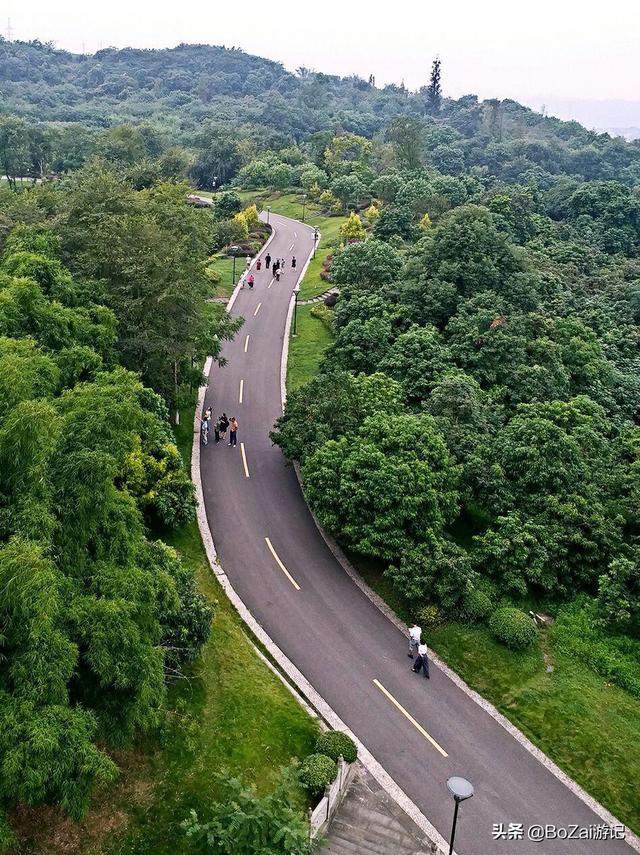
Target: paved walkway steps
369,822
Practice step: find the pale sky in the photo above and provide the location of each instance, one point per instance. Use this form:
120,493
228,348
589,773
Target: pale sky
496,48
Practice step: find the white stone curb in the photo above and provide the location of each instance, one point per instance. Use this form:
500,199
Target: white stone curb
284,663
284,359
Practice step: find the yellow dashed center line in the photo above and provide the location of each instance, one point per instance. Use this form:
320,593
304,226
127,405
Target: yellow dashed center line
244,460
257,309
281,565
410,718
241,391
246,343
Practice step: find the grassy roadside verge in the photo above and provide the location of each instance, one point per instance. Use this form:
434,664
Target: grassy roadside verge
589,727
229,712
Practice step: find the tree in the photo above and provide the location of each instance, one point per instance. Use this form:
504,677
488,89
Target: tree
244,823
384,489
395,221
226,204
13,148
418,358
332,406
366,265
406,134
348,189
352,229
434,89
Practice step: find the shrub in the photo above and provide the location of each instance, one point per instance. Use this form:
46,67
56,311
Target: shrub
330,300
476,606
317,771
429,616
322,313
335,743
513,628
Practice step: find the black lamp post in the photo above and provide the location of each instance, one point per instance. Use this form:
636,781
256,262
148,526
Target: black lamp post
296,291
234,251
304,205
315,240
461,790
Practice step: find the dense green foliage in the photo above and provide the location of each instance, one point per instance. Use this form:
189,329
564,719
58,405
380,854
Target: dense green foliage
316,772
513,628
247,824
96,614
336,744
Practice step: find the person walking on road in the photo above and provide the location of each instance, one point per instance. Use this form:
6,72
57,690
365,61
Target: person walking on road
421,661
293,263
282,265
274,268
277,274
248,262
267,261
223,421
233,432
204,429
415,633
259,265
251,280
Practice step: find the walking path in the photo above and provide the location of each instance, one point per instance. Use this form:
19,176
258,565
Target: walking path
351,654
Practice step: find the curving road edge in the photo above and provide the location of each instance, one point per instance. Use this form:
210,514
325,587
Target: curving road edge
305,691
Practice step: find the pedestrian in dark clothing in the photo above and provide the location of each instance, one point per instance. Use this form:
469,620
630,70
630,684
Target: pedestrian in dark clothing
216,431
421,660
259,265
293,263
224,424
278,271
267,261
274,268
233,431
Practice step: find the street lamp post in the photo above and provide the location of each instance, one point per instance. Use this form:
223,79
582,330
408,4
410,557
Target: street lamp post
304,205
315,240
461,790
234,251
296,291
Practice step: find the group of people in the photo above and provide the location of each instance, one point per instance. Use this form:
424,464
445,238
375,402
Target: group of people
275,265
220,428
418,651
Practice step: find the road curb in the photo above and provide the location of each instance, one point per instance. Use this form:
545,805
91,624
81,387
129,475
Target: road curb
308,694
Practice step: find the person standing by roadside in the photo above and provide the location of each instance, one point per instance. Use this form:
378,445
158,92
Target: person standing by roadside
421,661
415,633
233,432
224,424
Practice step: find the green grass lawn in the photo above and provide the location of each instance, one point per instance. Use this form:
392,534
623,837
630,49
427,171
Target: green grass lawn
589,727
307,348
230,711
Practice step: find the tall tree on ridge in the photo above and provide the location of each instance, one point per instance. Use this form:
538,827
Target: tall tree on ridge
434,89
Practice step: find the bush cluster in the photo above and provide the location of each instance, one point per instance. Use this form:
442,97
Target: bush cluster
334,744
476,606
317,771
513,628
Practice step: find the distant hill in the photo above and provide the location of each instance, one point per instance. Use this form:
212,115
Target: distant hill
189,94
613,116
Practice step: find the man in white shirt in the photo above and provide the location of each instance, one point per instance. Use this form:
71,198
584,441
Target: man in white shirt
414,640
421,661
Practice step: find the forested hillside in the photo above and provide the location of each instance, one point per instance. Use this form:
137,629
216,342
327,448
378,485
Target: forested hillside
205,111
474,429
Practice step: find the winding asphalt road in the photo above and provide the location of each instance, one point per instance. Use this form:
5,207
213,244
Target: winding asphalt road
337,638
